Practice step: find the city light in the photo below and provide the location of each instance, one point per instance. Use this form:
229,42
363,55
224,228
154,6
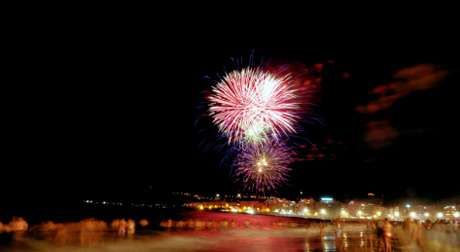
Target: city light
344,213
308,208
408,206
306,211
250,211
327,199
323,211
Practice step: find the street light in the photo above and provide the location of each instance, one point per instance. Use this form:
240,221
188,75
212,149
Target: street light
322,211
306,211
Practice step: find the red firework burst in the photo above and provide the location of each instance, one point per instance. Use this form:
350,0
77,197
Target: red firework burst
253,105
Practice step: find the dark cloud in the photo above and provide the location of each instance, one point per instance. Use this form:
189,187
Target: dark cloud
405,82
380,134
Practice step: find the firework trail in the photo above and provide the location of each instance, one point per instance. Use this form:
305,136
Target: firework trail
263,168
254,105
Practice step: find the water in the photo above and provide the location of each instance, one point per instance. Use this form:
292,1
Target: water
201,231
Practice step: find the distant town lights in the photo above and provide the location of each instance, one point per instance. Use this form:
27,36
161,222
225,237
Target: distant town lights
327,199
344,213
250,211
306,210
301,208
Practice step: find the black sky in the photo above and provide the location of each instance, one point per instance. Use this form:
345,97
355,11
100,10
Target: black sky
111,112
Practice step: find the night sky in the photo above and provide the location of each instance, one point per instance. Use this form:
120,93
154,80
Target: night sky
108,113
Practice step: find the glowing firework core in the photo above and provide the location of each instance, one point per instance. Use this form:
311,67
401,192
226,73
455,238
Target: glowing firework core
261,164
253,104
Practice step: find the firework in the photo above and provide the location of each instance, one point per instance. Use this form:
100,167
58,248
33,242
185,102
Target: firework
253,105
263,168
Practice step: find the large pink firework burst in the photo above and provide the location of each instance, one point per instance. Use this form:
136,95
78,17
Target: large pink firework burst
263,168
253,105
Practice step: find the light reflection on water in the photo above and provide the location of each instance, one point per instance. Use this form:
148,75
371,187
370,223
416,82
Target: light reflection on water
290,239
200,232
195,232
